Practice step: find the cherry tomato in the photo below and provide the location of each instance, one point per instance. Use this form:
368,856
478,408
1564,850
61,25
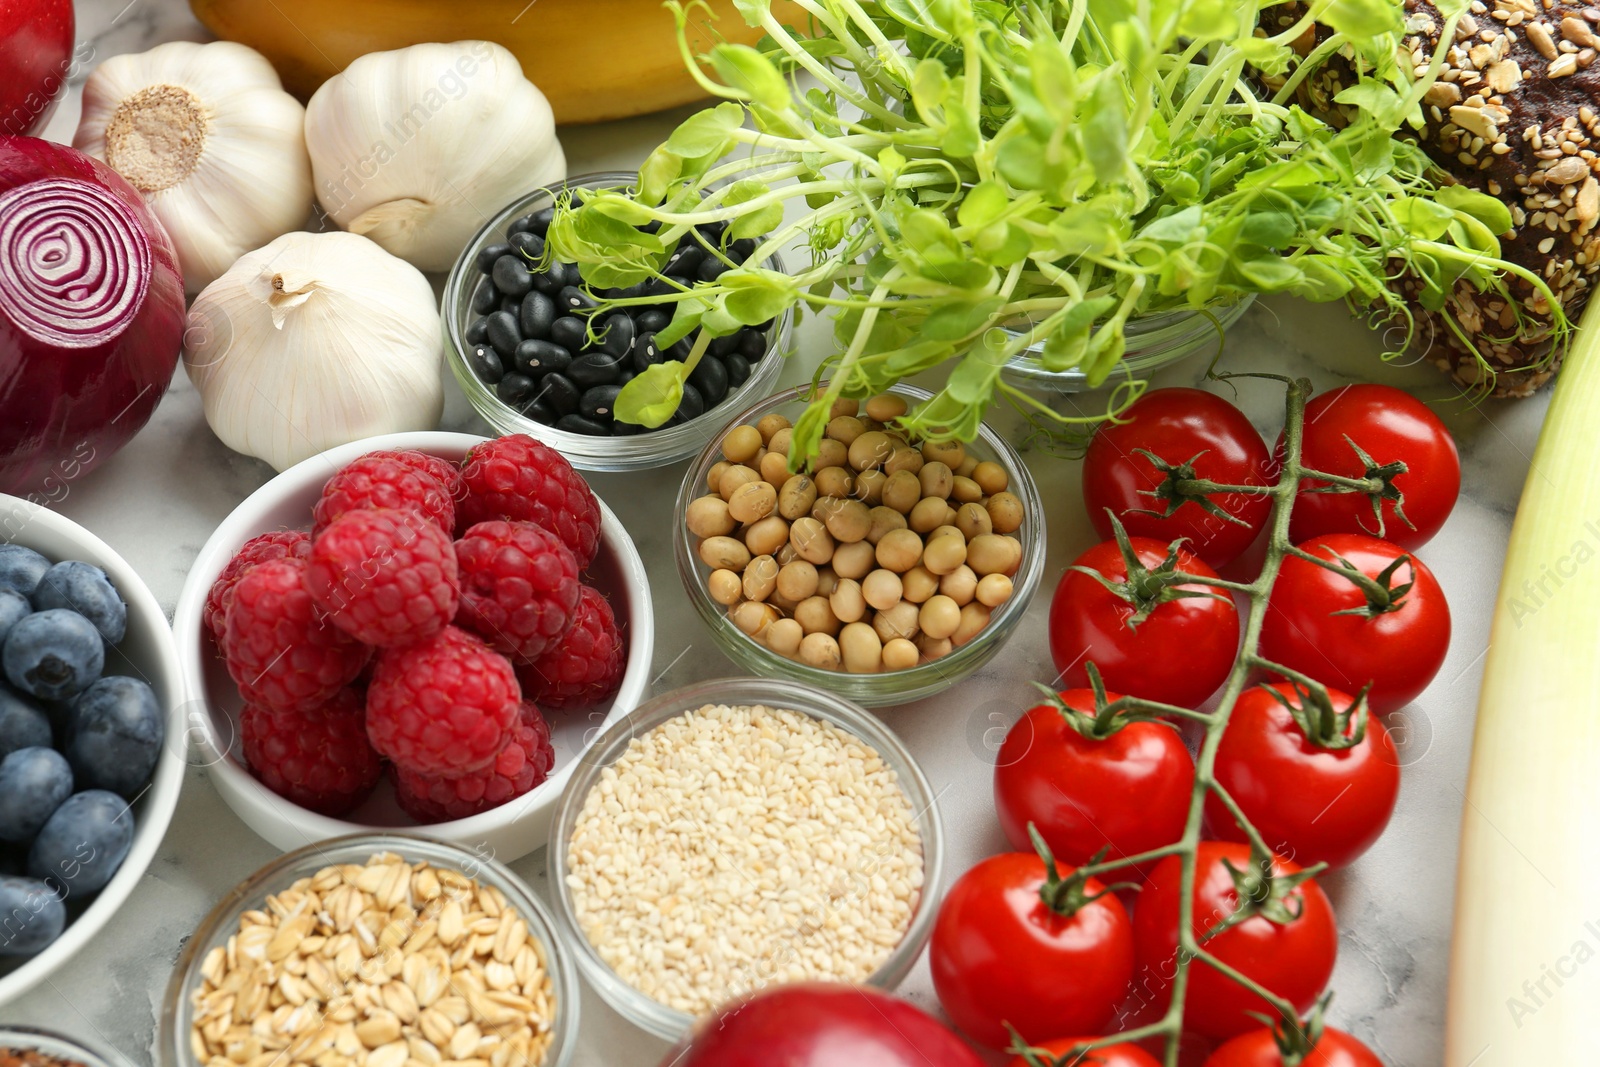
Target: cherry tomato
820,1024
1000,954
1127,792
1389,426
1121,1054
1179,654
1334,1048
1290,956
1312,804
1199,434
1397,650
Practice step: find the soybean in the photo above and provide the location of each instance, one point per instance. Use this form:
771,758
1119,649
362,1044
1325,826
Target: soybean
820,650
860,649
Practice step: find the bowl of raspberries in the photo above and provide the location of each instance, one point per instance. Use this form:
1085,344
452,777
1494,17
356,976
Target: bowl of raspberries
91,696
421,630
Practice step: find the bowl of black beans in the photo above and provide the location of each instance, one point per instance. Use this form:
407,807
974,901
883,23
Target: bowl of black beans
537,351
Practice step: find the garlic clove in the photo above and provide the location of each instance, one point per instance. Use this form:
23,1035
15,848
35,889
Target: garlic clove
210,138
416,147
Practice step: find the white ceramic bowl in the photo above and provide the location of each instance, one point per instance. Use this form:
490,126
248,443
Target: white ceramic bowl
146,652
505,833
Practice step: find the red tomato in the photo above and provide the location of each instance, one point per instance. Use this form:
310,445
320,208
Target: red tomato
1179,654
1121,1054
1312,804
820,1024
1205,437
1260,1049
1001,955
1293,959
1128,792
1398,651
1389,426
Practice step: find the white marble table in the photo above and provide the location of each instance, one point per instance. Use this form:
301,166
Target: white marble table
158,500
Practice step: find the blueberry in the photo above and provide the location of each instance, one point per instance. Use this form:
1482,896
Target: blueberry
516,389
33,784
651,320
536,315
54,654
486,364
22,725
570,332
738,370
21,568
488,257
31,916
117,730
511,275
594,368
616,334
560,394
504,334
478,332
486,298
711,378
84,588
83,843
579,424
14,607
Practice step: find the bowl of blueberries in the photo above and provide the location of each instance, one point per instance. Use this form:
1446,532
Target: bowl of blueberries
536,352
91,738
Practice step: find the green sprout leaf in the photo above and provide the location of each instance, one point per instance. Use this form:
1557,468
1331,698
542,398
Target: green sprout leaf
653,396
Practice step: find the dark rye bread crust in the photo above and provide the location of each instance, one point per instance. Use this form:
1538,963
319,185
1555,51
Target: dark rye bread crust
1515,114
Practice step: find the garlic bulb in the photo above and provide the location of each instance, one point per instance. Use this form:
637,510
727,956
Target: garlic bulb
415,148
207,134
316,340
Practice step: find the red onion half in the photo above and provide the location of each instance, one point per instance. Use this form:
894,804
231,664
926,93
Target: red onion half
91,315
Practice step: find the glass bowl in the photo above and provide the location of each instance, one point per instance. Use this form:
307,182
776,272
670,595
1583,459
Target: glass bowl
887,687
658,448
173,1043
72,1049
647,1013
1153,342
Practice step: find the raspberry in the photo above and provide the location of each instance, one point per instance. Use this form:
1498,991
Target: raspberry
519,478
268,546
320,759
385,577
519,586
444,706
282,652
522,764
385,480
586,667
444,472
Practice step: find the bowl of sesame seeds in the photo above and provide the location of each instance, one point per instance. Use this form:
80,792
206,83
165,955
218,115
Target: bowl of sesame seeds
374,950
740,833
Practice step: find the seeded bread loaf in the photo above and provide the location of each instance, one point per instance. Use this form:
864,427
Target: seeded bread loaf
1516,114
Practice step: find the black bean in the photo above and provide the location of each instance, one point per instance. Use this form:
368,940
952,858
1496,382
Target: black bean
572,298
655,288
511,275
599,403
625,429
752,344
504,333
616,334
559,392
692,406
712,231
575,199
721,346
531,245
594,368
685,261
650,320
570,332
738,370
486,258
521,224
536,314
539,412
512,304
653,226
612,292
549,282
486,364
538,358
486,298
711,378
628,374
646,353
539,221
711,268
516,389
579,424
478,332
679,350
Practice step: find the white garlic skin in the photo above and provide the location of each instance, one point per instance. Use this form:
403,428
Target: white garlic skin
252,179
417,147
316,340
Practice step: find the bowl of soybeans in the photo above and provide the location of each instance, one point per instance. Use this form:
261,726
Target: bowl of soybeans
886,571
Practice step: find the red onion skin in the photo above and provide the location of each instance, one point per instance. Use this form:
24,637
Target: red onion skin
77,385
821,1024
35,58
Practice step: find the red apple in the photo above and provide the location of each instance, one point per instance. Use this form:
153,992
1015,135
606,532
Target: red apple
35,57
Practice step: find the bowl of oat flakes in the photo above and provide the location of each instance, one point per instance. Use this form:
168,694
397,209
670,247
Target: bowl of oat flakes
374,950
741,833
